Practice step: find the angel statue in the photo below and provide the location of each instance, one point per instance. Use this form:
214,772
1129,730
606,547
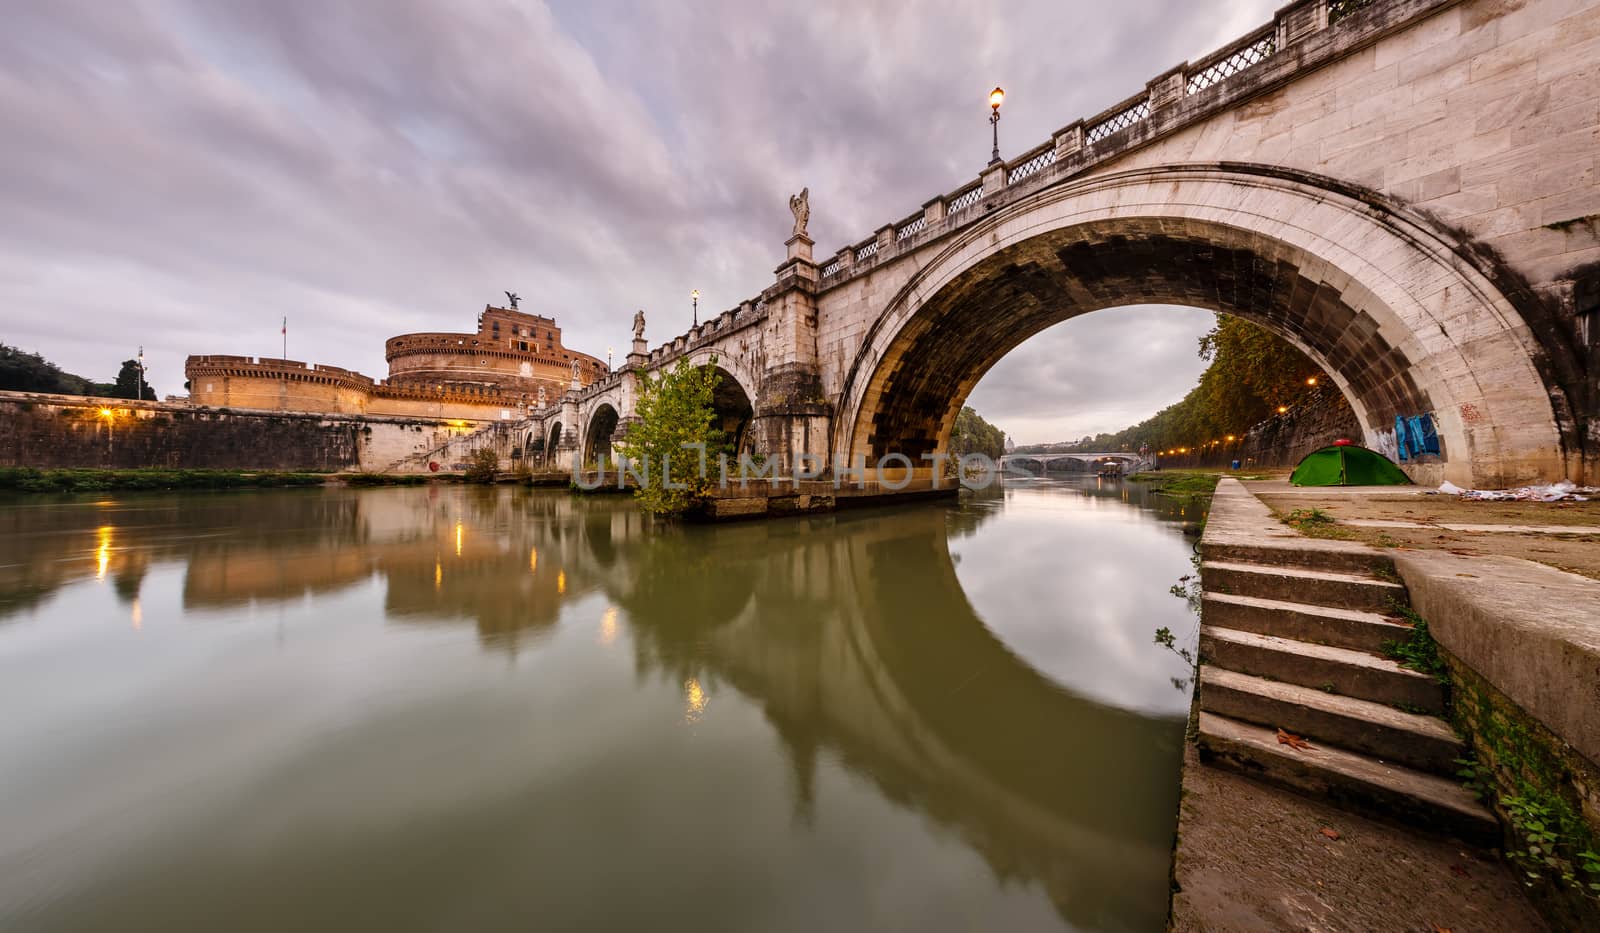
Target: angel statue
800,206
513,297
541,395
638,324
575,370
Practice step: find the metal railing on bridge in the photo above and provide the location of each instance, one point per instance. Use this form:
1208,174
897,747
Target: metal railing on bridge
1084,143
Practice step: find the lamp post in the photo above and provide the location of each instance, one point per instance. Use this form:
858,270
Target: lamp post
608,359
694,296
996,98
139,389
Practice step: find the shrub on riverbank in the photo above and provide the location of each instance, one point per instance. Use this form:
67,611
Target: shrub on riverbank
482,466
28,479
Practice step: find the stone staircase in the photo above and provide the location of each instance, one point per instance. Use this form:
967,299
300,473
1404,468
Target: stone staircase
459,447
1292,633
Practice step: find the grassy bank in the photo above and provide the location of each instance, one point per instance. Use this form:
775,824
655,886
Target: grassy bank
1180,484
28,479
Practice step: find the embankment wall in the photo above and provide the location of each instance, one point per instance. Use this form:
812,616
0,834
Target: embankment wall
56,431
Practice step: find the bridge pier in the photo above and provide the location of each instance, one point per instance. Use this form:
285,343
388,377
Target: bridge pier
793,419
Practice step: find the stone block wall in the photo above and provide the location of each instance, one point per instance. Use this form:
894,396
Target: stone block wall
1526,772
1281,441
54,431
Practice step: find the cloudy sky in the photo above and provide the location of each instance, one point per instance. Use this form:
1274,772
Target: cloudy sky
182,175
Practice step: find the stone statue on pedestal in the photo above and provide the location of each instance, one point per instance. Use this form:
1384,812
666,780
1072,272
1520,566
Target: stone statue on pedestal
638,324
800,206
541,395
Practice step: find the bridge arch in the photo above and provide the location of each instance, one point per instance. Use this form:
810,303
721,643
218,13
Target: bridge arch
598,433
734,400
1383,301
554,440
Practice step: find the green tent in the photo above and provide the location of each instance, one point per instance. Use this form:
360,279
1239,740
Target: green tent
1347,465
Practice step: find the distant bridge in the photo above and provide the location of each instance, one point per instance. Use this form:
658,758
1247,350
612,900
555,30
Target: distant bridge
1041,463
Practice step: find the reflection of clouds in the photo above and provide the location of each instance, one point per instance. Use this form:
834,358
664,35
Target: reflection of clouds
1077,586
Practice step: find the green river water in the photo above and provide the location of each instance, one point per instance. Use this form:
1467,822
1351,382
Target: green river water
452,708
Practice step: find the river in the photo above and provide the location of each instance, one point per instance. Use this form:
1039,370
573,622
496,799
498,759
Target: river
458,708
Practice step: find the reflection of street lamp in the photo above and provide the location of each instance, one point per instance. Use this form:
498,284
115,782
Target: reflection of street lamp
694,296
1311,381
996,98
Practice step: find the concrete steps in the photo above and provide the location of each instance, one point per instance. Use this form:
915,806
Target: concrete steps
1334,670
1415,741
1292,636
1333,556
1341,628
1348,779
1333,589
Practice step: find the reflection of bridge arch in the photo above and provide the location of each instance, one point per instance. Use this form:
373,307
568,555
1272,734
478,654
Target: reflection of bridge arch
944,717
1358,283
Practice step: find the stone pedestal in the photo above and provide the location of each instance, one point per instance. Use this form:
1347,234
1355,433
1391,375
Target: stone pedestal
799,247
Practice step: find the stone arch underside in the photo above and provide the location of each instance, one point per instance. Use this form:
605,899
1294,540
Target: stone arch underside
598,434
1403,325
734,407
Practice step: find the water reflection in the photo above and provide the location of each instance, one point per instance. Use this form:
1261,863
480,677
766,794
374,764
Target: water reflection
983,667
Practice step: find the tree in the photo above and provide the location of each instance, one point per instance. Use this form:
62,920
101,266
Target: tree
1253,372
676,413
973,435
482,466
30,372
130,383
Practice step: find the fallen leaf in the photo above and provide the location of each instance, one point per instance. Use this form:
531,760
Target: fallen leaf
1329,832
1293,741
1439,929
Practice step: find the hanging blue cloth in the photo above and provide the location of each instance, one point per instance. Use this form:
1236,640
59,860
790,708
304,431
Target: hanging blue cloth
1415,436
1425,434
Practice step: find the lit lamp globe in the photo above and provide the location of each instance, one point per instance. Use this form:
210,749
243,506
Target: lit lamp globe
997,97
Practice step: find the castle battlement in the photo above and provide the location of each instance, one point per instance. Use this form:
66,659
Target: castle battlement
493,373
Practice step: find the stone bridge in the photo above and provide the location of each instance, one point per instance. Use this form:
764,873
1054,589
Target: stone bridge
1127,462
1406,190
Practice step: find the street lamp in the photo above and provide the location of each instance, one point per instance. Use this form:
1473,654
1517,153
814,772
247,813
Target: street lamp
996,98
1311,381
608,359
695,297
139,389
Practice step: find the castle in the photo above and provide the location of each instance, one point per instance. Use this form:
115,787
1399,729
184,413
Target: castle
494,374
